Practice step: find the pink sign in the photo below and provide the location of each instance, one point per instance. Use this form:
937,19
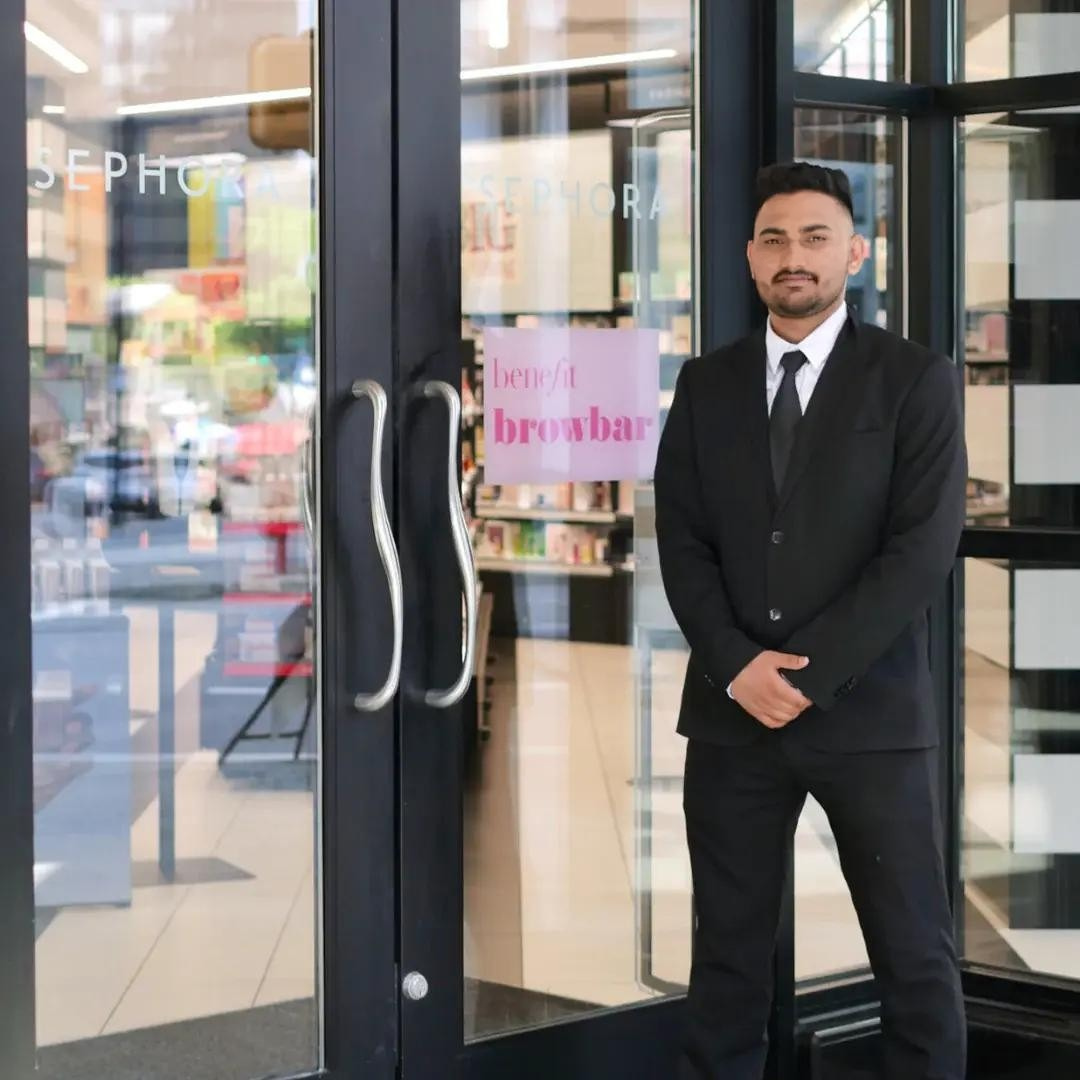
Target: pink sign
567,404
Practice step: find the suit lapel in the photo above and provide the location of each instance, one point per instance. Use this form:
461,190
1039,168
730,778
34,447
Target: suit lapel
834,397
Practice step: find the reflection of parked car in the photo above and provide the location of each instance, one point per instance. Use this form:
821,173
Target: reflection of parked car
122,481
126,479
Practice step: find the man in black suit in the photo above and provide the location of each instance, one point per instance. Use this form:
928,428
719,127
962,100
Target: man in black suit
810,490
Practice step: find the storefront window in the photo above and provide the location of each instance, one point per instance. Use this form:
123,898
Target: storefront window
856,39
173,373
1021,701
1021,687
1005,39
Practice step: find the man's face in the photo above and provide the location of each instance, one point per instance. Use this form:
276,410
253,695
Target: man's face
803,250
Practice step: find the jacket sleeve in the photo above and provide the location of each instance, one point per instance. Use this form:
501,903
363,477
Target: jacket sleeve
926,518
689,563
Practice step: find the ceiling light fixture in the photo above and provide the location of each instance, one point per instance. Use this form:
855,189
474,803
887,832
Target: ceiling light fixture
222,101
53,49
498,23
545,67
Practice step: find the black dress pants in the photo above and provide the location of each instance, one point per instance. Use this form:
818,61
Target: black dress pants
742,804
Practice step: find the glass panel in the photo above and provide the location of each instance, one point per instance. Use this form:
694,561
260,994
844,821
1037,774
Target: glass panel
578,213
1021,822
853,38
172,363
1021,213
1021,688
1003,39
867,147
828,939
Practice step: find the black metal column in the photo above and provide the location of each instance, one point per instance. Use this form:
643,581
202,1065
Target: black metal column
16,717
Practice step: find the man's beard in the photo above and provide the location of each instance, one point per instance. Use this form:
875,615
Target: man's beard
800,308
808,305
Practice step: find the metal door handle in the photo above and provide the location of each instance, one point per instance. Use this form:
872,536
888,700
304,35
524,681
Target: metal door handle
443,699
307,466
384,541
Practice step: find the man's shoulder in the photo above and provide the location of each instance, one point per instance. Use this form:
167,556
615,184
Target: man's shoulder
718,361
909,371
894,349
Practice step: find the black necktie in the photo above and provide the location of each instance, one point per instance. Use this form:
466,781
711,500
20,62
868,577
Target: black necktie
785,416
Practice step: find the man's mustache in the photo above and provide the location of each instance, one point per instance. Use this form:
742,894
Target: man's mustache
785,274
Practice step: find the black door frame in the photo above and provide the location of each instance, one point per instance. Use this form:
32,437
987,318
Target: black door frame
354,74
358,843
17,1043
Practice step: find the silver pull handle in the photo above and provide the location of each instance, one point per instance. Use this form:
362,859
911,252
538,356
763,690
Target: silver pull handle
384,541
307,467
443,699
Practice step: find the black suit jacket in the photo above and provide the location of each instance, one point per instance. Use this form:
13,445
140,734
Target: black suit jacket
841,564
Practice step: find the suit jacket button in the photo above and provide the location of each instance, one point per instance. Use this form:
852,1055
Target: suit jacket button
775,614
778,537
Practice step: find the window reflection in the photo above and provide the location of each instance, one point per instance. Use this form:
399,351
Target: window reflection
1020,287
578,208
856,40
1021,689
170,244
1003,39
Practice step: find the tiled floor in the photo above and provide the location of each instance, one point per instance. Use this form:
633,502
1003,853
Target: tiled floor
554,861
182,951
557,801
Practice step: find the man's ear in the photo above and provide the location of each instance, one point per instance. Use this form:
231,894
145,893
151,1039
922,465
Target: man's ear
860,251
749,262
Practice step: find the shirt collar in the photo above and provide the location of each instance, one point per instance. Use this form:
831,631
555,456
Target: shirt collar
816,346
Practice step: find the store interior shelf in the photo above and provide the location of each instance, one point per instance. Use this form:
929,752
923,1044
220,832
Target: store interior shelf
540,566
290,598
584,517
266,669
995,357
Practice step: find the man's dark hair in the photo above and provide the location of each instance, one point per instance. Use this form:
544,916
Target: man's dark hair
789,177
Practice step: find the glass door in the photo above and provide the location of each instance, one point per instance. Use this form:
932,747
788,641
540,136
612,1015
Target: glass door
1020,690
205,615
547,209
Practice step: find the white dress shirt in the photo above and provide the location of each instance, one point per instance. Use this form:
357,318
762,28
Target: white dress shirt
816,347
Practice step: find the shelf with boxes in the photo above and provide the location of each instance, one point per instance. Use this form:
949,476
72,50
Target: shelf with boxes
265,631
590,517
69,577
581,526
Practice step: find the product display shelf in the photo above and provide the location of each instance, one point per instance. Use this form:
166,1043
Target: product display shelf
542,513
497,564
264,651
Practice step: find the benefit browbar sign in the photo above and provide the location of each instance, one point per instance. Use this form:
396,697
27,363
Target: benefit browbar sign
568,404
